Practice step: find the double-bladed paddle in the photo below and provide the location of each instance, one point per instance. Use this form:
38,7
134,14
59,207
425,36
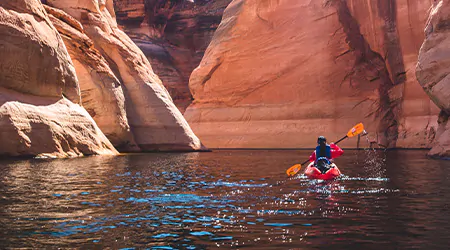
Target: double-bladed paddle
356,130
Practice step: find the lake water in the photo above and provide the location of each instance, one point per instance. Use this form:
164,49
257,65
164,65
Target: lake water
225,199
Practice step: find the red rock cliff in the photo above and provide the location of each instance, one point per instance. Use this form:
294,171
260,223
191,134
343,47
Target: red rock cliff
280,73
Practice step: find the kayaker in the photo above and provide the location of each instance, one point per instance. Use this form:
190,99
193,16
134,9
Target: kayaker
324,153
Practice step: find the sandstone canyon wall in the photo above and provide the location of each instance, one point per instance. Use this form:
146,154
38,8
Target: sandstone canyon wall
118,86
173,35
433,71
40,112
280,73
65,68
101,91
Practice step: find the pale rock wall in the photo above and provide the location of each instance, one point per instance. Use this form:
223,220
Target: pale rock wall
279,73
39,93
433,71
155,122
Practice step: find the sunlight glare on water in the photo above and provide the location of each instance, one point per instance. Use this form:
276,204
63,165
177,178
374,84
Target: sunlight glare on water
236,199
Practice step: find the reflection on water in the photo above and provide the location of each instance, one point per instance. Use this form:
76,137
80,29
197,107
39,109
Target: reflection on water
227,199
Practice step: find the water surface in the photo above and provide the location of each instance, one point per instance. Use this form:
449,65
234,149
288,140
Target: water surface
226,199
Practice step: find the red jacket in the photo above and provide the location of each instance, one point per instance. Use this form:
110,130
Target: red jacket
336,151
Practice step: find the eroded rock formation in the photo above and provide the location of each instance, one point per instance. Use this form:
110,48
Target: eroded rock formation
280,73
101,91
39,93
116,74
433,71
173,35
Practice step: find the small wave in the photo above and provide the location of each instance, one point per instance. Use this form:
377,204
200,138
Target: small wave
162,236
234,184
201,233
380,179
375,191
278,224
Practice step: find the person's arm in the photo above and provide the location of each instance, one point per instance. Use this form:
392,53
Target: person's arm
336,151
312,157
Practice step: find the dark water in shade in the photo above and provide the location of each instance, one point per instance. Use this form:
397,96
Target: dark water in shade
226,199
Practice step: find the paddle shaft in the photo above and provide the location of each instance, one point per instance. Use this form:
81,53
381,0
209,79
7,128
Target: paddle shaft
304,162
343,138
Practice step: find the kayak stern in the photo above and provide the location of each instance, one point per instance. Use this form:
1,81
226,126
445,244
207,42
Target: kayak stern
313,173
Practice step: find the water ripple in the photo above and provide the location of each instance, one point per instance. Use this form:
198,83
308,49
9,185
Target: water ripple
198,201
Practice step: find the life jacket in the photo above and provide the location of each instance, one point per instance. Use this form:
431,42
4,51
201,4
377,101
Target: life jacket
323,157
323,153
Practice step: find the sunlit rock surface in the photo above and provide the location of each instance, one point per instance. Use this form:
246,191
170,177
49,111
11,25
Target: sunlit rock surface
154,121
101,91
280,73
433,69
48,127
173,35
39,93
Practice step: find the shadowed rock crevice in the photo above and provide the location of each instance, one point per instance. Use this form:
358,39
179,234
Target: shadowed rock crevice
373,67
392,48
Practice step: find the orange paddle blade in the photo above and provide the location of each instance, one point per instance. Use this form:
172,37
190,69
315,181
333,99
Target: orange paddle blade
356,130
294,170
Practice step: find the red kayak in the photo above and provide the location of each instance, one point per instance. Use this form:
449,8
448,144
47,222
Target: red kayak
313,173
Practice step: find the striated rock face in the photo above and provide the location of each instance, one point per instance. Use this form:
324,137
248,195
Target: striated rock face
39,93
154,121
280,73
173,35
24,68
101,91
433,70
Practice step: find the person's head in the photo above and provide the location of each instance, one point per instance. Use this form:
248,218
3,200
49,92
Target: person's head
321,140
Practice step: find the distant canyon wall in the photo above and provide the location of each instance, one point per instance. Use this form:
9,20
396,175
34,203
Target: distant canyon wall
173,35
279,73
66,67
433,71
